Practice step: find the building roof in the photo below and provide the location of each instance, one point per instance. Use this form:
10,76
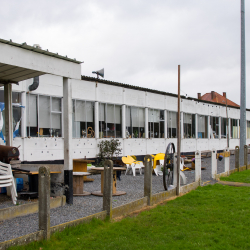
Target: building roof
217,98
38,50
19,62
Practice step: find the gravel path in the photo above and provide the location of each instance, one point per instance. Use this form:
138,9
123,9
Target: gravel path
87,205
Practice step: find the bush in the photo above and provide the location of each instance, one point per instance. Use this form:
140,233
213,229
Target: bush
108,150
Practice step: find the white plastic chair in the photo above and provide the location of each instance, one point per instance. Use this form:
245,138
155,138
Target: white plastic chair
132,165
7,180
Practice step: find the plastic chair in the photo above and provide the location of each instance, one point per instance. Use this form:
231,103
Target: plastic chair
7,180
132,164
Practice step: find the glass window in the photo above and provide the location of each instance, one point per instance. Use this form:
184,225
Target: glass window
189,125
202,126
223,127
110,120
214,127
172,124
83,119
44,116
135,122
234,128
248,129
16,113
155,123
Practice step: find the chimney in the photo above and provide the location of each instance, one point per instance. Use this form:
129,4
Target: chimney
199,96
212,95
225,94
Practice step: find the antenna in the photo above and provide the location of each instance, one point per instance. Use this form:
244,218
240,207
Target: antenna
99,73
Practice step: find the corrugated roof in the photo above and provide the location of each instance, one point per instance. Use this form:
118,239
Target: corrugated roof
93,79
37,50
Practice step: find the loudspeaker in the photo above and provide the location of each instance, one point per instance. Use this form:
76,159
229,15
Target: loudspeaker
99,72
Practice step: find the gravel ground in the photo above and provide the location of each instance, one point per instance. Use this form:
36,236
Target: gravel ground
87,205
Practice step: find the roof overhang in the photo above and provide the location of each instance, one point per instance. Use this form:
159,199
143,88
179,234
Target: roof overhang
19,62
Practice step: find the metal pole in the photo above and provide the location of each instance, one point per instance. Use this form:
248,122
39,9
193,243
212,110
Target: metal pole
178,132
243,87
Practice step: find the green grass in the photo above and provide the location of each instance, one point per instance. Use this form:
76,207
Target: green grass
243,176
211,217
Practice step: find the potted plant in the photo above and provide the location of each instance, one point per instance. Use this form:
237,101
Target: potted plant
108,150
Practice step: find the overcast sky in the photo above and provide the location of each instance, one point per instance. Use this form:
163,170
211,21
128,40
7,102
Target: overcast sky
140,42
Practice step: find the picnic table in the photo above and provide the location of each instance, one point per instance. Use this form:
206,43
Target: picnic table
115,192
80,165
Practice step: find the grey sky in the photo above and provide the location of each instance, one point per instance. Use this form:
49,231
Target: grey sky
140,42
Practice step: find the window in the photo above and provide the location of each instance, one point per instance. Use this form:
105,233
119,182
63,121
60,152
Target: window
44,116
155,123
223,127
83,119
16,113
135,122
110,120
172,124
234,128
189,125
214,127
202,126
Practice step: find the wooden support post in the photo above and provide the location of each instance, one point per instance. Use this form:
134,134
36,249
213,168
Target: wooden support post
148,179
245,155
108,187
226,160
237,157
44,200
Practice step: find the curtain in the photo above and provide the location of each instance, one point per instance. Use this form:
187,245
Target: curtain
172,119
101,112
117,114
141,112
187,118
44,111
32,111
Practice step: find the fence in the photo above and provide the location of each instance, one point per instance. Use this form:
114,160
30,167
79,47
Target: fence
149,199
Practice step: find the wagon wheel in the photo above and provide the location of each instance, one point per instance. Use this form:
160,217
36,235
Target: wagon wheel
168,166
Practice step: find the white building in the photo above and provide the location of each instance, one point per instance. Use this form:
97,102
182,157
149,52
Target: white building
144,120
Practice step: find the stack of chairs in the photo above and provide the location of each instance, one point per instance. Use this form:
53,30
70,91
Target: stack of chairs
7,180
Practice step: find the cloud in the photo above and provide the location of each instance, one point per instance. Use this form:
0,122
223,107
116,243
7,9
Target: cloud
140,42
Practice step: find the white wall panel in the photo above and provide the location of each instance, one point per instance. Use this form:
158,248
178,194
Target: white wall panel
83,90
155,101
134,97
171,103
110,94
48,85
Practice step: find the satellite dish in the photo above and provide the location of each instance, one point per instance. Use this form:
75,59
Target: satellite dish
99,73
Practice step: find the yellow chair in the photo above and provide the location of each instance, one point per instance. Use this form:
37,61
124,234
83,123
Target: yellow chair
132,164
158,159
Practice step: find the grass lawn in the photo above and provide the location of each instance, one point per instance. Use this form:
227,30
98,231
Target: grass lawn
211,217
243,176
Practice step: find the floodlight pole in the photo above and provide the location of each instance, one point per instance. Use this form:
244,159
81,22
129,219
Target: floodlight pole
243,87
178,132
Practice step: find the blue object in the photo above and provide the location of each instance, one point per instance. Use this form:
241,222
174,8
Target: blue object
220,157
19,184
199,134
3,190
